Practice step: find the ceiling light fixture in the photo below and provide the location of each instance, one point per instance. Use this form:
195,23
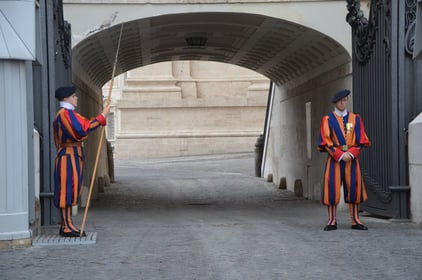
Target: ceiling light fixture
196,41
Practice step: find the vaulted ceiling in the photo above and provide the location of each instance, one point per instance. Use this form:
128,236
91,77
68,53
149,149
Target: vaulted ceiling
280,50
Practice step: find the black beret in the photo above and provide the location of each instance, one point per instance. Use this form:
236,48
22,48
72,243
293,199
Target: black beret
340,95
63,92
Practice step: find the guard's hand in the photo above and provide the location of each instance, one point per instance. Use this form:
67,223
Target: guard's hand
106,110
347,157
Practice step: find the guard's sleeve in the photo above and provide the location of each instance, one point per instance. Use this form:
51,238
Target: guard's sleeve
325,143
361,138
355,151
82,126
96,122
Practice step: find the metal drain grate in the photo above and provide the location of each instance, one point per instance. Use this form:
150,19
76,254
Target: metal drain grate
57,240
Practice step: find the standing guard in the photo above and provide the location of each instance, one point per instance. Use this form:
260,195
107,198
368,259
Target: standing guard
342,135
70,129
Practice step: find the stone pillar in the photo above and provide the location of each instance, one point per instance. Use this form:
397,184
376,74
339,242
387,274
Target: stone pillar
14,224
415,168
181,73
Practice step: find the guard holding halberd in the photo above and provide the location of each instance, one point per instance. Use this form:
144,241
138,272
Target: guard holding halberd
70,129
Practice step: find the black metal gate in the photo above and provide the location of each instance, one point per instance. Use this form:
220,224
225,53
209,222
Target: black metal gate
387,93
53,69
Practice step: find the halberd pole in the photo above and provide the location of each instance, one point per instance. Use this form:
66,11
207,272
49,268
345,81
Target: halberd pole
102,134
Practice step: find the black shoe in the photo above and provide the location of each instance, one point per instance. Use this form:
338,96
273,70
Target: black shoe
71,234
330,227
359,227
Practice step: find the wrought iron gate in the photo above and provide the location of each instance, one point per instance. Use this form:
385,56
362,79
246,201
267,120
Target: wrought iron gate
385,93
53,69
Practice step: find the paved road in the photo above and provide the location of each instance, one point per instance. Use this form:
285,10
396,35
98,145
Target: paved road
210,218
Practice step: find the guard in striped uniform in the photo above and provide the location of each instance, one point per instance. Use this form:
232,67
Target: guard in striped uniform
342,135
70,129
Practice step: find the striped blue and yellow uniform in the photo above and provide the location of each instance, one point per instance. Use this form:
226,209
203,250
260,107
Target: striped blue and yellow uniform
337,136
70,129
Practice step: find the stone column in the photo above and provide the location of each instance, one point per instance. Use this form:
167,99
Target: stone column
415,168
182,74
13,152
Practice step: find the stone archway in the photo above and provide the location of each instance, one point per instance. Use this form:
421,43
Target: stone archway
306,65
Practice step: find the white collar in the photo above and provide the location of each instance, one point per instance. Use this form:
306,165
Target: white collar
340,113
66,105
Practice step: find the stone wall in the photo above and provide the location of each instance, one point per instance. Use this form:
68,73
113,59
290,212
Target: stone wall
187,108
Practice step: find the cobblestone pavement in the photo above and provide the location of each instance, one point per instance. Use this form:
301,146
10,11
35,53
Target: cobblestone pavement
209,218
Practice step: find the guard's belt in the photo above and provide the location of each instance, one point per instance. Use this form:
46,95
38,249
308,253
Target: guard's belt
344,148
73,144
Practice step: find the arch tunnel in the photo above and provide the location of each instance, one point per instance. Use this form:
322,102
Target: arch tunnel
280,50
306,66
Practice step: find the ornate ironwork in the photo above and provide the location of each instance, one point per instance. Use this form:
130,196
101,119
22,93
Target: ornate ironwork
355,14
364,30
387,27
410,25
64,35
